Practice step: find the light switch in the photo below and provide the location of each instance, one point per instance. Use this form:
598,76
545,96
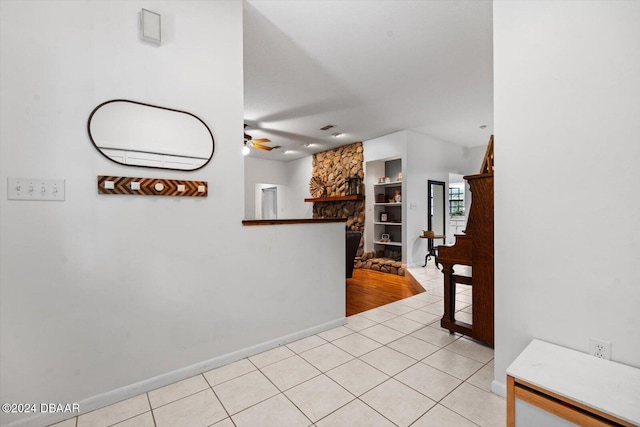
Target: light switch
151,26
109,185
135,185
35,189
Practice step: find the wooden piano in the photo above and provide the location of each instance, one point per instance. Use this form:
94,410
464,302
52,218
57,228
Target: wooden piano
475,249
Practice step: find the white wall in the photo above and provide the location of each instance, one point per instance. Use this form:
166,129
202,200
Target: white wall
291,178
258,172
298,176
473,158
567,97
103,297
427,158
387,147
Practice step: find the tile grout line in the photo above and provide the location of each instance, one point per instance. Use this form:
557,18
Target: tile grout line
219,400
153,417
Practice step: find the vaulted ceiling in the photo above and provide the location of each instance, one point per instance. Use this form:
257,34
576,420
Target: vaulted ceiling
368,67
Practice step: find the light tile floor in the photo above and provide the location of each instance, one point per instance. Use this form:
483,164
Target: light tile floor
390,366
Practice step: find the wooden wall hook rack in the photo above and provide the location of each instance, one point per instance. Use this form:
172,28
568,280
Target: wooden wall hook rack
151,186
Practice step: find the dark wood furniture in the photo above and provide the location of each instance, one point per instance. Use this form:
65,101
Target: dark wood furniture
474,248
432,249
352,243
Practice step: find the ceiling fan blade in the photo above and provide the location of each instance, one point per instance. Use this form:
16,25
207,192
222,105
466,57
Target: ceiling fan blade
260,146
259,140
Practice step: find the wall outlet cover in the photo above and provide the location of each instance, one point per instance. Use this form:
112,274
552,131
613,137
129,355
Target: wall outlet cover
600,349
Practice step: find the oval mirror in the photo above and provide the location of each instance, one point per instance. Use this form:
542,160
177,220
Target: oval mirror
136,134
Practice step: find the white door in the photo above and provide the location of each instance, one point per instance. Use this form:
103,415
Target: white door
270,203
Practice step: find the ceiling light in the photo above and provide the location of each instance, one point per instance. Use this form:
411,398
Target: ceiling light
327,127
336,134
288,151
309,144
483,126
245,150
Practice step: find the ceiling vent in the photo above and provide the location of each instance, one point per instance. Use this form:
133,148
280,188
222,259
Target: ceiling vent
327,127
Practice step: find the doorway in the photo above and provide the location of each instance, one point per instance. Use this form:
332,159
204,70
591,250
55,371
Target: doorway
269,203
436,211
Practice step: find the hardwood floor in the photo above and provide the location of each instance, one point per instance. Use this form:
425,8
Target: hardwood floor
369,289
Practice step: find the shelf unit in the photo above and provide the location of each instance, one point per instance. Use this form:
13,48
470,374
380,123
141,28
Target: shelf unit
392,225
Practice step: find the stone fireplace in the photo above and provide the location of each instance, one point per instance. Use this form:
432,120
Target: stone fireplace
333,168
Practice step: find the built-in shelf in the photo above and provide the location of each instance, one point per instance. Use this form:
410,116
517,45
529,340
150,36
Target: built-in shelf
392,228
335,199
378,242
396,183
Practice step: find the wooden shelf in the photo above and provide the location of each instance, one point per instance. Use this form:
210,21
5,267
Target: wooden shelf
291,221
386,184
378,242
335,199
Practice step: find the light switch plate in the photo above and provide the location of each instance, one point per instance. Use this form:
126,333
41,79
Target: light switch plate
151,23
35,189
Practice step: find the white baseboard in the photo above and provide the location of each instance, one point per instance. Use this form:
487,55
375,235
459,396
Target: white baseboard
123,393
499,388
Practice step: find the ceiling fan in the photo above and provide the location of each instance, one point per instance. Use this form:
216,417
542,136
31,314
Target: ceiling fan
257,143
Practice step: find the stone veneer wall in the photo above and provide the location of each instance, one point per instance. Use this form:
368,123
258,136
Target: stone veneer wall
334,167
369,261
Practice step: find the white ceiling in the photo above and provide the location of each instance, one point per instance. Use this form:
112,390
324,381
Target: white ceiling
369,67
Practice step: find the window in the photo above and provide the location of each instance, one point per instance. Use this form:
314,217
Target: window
456,201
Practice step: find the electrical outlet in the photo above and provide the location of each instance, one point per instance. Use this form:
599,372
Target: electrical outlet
600,349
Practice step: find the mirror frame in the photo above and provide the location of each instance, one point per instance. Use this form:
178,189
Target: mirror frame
430,224
213,143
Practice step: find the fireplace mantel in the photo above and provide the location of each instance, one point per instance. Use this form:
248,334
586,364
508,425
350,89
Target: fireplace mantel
336,199
291,221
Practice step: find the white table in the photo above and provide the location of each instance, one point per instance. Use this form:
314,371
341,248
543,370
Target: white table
573,385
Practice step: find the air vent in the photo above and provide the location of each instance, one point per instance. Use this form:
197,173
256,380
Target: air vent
327,127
